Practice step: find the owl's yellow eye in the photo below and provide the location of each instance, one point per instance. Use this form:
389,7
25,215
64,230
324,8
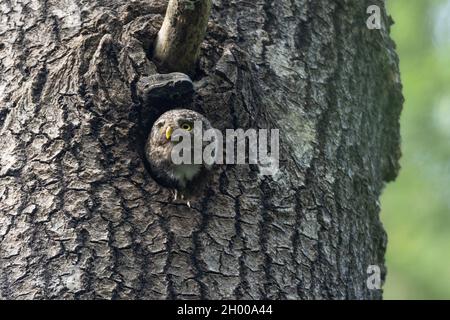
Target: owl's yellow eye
186,126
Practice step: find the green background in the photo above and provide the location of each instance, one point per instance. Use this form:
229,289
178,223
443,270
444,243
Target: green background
416,208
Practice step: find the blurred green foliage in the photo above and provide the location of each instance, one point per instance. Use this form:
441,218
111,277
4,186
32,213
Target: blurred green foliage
416,208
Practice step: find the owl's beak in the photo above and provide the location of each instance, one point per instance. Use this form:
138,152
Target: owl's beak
169,132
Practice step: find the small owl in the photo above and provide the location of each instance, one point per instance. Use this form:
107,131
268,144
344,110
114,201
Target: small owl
160,144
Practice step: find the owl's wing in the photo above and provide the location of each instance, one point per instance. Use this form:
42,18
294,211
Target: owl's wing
162,172
161,169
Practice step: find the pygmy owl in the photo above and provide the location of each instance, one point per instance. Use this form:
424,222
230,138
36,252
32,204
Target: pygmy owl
161,142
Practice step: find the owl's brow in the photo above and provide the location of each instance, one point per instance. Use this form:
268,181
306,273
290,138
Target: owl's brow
190,120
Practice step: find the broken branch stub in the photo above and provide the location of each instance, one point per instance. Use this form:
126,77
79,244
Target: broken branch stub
178,43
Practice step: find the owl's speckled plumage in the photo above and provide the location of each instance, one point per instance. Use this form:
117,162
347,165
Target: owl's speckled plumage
158,149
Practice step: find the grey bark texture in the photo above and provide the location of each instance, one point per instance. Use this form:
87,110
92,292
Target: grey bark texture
81,217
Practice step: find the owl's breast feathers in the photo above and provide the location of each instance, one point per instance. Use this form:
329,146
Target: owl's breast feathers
185,172
175,176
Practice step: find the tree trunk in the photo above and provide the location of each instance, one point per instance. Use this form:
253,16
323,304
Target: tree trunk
81,217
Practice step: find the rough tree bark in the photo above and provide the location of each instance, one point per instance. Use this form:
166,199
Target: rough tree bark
80,216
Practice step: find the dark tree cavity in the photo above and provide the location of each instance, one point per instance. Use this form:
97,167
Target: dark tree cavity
80,216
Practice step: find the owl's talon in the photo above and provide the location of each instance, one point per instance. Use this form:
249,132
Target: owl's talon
175,195
188,203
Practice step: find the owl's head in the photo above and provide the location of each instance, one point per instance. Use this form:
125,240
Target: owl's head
172,121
